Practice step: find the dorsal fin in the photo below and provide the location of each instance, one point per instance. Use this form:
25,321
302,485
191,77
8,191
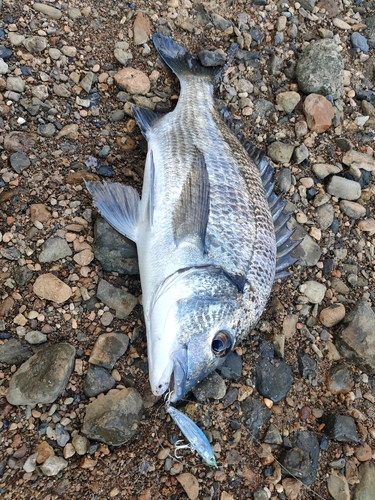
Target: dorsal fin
285,245
190,218
145,118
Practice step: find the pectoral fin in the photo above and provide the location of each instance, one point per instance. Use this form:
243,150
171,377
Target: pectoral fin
190,218
118,204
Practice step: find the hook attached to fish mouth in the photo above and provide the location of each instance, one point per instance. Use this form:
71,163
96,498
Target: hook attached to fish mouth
179,375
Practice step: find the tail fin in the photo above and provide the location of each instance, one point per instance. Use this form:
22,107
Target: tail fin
180,61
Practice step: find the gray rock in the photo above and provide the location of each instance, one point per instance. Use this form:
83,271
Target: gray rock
352,209
47,10
43,377
280,152
19,161
320,69
255,415
117,115
364,490
108,348
230,397
35,337
81,444
302,460
344,188
273,435
340,287
341,428
30,464
114,251
35,44
339,380
97,380
231,369
12,352
308,4
300,154
87,81
263,108
74,13
114,418
121,52
284,180
213,386
48,130
3,67
15,83
357,341
119,300
308,251
62,435
212,57
273,378
307,366
53,465
325,215
220,23
22,275
322,170
359,42
54,249
10,253
314,291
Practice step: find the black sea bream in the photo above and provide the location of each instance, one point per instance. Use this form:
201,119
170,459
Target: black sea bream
211,234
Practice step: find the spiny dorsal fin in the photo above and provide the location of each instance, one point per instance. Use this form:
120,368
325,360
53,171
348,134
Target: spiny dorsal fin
118,204
190,218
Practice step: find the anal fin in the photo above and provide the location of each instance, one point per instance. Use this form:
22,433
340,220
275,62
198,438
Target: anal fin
118,204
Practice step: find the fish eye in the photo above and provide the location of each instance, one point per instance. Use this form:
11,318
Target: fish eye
221,344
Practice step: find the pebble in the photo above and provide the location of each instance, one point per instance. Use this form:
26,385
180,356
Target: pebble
213,386
280,152
133,81
121,53
22,275
338,487
332,315
97,380
367,225
19,162
339,380
307,366
190,485
62,435
273,378
357,341
231,369
43,377
211,58
360,160
48,286
340,428
141,29
53,465
359,42
13,352
352,209
68,131
119,300
19,141
314,291
44,452
54,249
16,84
344,188
113,418
325,215
35,337
363,453
81,444
30,464
302,459
35,44
256,414
48,10
319,113
84,258
364,490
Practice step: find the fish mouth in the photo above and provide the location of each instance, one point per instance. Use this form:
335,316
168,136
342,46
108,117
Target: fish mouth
178,379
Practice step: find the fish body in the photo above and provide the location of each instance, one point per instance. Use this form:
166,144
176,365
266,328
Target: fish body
207,227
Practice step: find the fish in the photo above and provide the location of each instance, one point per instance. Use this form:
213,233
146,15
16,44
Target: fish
211,233
197,439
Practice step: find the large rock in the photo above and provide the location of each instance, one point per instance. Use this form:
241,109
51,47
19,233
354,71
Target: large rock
108,348
320,69
43,377
357,341
123,302
114,418
50,287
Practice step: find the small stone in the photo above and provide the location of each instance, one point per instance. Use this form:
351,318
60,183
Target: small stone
314,291
325,215
35,44
256,414
322,170
47,130
344,188
69,131
141,29
292,488
341,428
363,453
302,460
48,286
121,52
339,380
273,378
15,83
12,352
332,315
35,337
30,464
54,249
87,81
68,451
367,225
47,10
211,58
84,258
81,444
319,113
190,485
74,13
53,465
39,212
19,141
62,435
280,152
123,302
364,490
220,22
44,451
359,160
213,386
19,162
352,209
287,101
338,487
97,381
133,81
359,42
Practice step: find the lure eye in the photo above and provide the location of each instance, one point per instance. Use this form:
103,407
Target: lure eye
221,344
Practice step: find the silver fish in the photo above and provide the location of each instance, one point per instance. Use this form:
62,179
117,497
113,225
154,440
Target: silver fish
211,235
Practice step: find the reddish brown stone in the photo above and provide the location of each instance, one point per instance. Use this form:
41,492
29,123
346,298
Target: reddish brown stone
39,212
6,306
80,175
319,112
133,81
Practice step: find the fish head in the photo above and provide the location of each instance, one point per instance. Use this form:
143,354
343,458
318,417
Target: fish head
192,329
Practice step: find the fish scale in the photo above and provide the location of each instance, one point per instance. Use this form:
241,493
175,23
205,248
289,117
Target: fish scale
210,232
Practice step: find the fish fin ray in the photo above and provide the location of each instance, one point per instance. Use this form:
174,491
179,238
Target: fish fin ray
190,218
180,60
118,204
151,197
145,118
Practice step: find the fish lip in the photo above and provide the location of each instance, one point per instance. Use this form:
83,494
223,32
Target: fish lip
179,375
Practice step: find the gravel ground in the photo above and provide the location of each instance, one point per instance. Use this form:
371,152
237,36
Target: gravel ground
63,92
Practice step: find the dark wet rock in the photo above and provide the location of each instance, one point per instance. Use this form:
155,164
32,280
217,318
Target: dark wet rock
119,300
213,386
54,249
320,69
341,428
230,397
22,275
10,253
231,369
62,435
307,366
43,377
19,161
357,341
108,348
255,415
5,53
339,380
114,251
13,352
284,180
273,378
212,57
364,490
325,214
302,459
97,380
273,435
114,418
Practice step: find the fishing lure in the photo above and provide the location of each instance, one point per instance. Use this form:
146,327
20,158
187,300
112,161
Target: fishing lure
197,440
